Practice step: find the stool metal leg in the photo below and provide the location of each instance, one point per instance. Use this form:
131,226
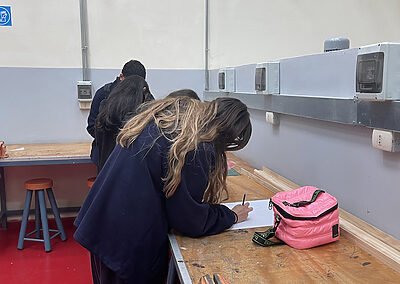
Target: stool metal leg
45,225
3,210
56,213
24,222
37,215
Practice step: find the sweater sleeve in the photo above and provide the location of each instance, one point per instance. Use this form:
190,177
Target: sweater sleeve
185,210
94,111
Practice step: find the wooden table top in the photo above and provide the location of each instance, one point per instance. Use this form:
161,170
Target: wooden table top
239,260
48,150
26,154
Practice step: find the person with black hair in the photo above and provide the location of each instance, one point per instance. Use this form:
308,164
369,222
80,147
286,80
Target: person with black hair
184,93
132,67
120,106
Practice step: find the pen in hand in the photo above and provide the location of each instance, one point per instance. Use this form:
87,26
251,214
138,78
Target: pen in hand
242,210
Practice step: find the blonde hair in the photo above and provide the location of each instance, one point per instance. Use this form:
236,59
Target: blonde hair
185,123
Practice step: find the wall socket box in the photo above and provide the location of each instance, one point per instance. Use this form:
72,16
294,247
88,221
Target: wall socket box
267,79
378,72
386,140
84,94
272,118
226,80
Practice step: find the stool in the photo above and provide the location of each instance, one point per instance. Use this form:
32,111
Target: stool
90,182
39,186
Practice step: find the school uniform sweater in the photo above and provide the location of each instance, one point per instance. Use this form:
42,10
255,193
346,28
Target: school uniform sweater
125,219
100,95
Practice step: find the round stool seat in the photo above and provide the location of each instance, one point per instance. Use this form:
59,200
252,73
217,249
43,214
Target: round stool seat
90,181
38,183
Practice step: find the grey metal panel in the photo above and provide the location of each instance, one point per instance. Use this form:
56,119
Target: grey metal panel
245,78
213,85
327,109
329,74
384,115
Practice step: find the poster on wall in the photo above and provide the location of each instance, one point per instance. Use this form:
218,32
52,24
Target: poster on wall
5,16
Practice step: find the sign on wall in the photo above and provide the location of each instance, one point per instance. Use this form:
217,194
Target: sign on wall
5,16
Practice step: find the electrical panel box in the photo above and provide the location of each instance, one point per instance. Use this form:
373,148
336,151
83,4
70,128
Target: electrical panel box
84,94
386,140
84,90
226,80
267,78
378,72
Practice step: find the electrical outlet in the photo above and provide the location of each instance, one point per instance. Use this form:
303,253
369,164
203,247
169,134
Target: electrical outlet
272,118
386,140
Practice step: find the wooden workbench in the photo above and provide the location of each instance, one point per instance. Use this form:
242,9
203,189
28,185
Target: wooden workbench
239,260
36,152
39,154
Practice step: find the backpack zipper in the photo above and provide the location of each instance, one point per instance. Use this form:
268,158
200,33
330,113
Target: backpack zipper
289,216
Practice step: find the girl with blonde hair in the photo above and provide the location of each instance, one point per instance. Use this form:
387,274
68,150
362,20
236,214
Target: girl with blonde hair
168,171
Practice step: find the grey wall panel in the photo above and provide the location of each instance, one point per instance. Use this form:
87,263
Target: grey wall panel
39,105
336,157
162,81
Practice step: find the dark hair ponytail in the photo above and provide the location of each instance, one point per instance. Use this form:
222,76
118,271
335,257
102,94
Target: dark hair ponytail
123,102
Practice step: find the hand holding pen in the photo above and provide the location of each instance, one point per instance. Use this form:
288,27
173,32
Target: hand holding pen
242,211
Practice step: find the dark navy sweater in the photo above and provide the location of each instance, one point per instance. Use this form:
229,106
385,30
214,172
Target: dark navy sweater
100,95
126,217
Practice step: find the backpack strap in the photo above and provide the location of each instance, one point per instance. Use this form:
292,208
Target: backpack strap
263,238
304,202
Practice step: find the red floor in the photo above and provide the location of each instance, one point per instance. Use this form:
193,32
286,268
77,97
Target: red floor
68,262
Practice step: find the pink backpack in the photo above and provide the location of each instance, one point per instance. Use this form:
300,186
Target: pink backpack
305,217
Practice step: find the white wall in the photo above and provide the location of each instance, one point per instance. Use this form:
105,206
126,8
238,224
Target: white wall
43,34
162,34
243,32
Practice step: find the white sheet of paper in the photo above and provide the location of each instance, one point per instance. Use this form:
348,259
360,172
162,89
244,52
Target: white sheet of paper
261,216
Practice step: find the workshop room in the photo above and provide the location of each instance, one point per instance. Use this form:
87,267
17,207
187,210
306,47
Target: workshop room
212,142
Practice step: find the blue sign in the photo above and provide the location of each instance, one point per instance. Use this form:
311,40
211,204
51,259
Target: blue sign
5,16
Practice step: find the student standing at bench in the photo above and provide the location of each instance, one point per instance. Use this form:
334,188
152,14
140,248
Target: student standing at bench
168,171
120,105
132,67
